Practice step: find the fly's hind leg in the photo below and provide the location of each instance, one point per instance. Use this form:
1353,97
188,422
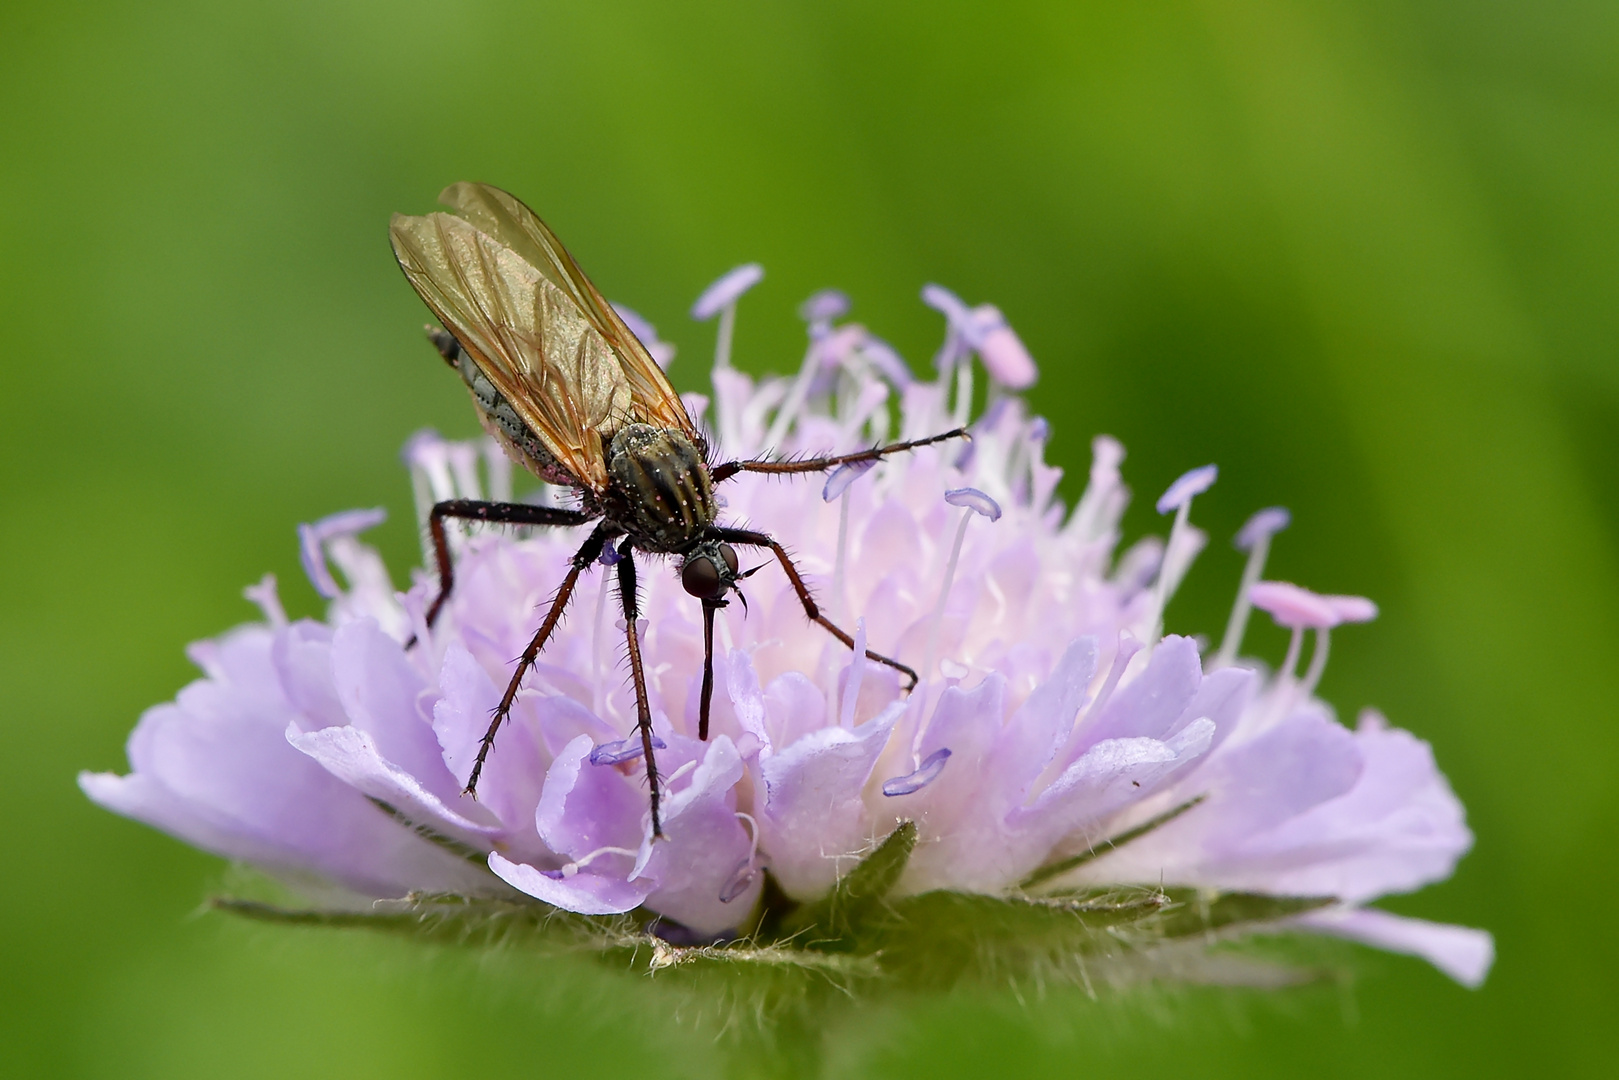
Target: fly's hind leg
811,610
729,469
478,510
627,593
588,552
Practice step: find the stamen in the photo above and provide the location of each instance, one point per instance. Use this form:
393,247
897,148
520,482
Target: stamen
464,469
1349,609
1254,538
1318,661
746,870
837,487
972,501
669,781
911,783
843,476
964,396
1182,546
1295,645
498,467
857,674
796,397
1093,516
720,299
1002,351
312,539
623,750
574,867
824,306
881,355
264,594
1189,484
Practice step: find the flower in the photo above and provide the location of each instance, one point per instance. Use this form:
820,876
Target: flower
1059,754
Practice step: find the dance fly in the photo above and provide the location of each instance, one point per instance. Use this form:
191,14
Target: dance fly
570,393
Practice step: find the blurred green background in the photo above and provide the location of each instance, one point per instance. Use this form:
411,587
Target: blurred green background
1364,255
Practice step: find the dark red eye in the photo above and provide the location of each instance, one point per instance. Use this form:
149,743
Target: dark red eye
729,555
701,577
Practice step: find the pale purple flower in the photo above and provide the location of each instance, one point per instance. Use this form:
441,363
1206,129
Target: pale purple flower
1057,739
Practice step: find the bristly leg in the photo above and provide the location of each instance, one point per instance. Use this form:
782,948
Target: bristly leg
588,552
478,510
627,594
729,469
811,610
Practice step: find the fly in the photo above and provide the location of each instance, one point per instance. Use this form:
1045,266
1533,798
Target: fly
573,396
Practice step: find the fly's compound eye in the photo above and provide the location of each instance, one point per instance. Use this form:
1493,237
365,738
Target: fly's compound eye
701,577
728,553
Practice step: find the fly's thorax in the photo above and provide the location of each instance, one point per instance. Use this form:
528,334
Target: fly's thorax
502,422
661,493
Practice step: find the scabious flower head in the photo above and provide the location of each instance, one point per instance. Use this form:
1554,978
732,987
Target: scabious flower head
1061,757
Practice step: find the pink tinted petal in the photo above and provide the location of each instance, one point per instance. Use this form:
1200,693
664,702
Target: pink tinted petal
1027,743
586,807
813,816
1110,775
350,755
1399,827
705,844
302,654
1461,952
229,785
379,688
586,892
1151,703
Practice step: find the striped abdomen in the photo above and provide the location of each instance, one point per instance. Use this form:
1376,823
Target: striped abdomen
661,492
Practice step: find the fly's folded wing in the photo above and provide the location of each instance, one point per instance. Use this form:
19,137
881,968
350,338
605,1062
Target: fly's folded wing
504,217
528,335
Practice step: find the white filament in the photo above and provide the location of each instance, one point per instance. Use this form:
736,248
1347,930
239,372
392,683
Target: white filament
1237,625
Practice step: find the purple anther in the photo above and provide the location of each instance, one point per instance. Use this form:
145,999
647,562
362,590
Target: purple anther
1352,608
662,352
314,560
311,537
1187,485
942,300
921,778
843,476
609,556
1005,357
882,356
1039,429
824,306
974,500
1266,523
624,750
1294,607
726,291
739,880
422,443
834,346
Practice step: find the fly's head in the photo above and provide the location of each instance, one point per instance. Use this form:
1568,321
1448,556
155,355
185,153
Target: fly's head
710,571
